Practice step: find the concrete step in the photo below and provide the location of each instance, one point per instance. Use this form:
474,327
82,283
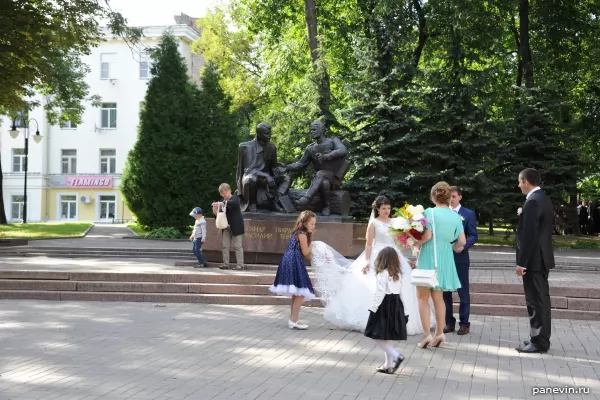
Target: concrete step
250,289
107,250
151,297
135,287
157,255
236,277
229,299
184,257
521,311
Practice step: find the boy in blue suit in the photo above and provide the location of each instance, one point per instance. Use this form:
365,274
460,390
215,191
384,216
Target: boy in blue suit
462,261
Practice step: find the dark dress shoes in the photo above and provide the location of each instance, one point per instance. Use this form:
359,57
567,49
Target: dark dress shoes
449,328
530,348
463,330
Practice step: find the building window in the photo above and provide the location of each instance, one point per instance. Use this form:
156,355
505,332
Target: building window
107,65
16,206
18,160
108,161
145,64
69,161
68,207
109,115
108,207
18,121
68,125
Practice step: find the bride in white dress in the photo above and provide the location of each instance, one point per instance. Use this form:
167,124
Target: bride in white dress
346,287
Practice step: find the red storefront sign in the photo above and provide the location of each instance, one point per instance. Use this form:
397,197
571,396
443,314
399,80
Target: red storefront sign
90,182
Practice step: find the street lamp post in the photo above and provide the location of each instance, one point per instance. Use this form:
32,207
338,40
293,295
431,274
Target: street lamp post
14,133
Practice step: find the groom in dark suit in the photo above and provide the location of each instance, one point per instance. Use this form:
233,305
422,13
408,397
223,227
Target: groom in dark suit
462,261
535,259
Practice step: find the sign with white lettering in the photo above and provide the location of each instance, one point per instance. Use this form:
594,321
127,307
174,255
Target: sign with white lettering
90,182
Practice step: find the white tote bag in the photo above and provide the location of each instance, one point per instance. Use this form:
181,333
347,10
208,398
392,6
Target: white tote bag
221,220
427,277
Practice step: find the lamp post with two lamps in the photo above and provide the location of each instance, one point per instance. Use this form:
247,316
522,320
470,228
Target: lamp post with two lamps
14,133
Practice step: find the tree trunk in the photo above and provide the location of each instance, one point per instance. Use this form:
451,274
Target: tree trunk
3,220
323,81
527,62
520,60
491,225
572,217
422,33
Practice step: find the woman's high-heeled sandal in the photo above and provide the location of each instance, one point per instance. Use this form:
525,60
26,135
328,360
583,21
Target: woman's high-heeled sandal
438,340
425,342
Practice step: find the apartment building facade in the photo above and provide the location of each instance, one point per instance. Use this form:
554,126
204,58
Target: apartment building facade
74,173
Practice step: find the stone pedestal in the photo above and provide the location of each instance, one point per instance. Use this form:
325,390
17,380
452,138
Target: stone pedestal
265,240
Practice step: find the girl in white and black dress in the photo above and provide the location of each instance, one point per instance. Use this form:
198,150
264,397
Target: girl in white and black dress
387,320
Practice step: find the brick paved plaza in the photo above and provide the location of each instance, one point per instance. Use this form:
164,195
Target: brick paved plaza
137,351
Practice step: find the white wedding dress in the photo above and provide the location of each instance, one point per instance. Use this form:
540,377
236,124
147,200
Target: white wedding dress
347,293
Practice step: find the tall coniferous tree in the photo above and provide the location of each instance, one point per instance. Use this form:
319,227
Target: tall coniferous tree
456,136
217,151
385,106
162,177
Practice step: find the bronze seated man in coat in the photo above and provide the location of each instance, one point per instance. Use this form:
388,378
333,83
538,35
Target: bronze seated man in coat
259,182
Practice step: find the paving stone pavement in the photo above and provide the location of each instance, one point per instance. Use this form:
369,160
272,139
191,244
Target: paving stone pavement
115,351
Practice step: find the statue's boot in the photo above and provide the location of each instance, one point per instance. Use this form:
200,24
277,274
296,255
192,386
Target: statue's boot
325,198
278,208
326,208
252,208
303,201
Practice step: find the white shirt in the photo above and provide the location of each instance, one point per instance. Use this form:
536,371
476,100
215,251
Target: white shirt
532,190
385,285
457,208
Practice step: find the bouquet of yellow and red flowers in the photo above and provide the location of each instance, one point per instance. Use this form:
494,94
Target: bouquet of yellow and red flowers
408,225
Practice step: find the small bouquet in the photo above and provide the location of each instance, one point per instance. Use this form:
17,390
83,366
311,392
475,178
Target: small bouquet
408,226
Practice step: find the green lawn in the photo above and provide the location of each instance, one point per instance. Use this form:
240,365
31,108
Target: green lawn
137,229
43,230
570,242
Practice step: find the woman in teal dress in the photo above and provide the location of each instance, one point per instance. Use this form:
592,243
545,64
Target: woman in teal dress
445,228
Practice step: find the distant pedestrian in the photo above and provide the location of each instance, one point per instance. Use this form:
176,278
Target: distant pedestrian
198,236
234,233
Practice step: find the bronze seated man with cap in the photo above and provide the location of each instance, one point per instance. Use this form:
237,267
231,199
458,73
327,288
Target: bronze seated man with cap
328,158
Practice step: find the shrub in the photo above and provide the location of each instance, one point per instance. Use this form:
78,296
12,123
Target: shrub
164,233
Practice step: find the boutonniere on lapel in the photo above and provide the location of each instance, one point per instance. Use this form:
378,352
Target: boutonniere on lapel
462,218
519,211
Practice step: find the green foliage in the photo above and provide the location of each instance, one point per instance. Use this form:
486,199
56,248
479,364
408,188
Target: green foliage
386,106
185,144
43,42
42,45
216,151
164,233
425,91
534,140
